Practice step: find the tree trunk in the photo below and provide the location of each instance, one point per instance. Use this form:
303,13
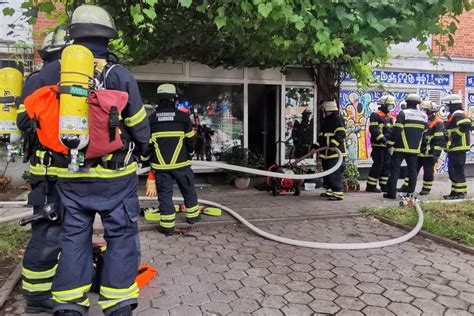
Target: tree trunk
328,82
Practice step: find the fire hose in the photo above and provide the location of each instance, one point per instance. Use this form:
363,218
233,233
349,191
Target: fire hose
406,200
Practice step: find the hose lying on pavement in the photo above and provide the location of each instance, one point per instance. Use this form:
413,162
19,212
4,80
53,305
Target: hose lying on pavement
284,240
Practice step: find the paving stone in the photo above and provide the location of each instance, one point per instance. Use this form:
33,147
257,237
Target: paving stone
462,286
273,301
217,268
374,300
442,289
234,275
412,281
379,311
322,283
429,307
346,280
398,296
196,299
278,279
370,288
347,290
324,307
298,297
265,311
244,305
346,312
299,286
184,279
222,296
185,310
254,281
250,292
404,309
296,309
420,292
323,294
211,277
203,288
257,272
154,312
239,266
367,277
300,276
323,274
351,303
228,285
165,302
393,285
216,308
467,297
280,270
457,312
452,302
275,289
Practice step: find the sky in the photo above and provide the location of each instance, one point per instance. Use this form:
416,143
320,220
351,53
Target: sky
22,31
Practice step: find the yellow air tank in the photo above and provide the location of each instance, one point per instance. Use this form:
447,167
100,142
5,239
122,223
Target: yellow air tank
77,69
11,83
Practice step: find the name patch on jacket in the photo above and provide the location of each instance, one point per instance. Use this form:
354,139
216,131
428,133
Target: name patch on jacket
165,116
415,116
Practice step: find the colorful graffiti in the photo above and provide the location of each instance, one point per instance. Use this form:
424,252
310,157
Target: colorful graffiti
470,112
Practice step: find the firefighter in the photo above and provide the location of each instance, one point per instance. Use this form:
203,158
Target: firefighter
405,141
431,147
106,185
173,141
458,144
380,127
41,255
332,134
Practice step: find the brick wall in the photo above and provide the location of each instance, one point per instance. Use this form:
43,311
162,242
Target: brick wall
459,84
463,38
42,26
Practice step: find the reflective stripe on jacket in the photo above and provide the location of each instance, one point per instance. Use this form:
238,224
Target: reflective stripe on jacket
433,138
457,128
407,132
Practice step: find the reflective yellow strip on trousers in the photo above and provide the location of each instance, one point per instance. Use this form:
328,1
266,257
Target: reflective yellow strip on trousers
69,295
114,293
36,275
40,287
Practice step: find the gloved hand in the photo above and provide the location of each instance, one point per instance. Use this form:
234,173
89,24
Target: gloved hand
150,188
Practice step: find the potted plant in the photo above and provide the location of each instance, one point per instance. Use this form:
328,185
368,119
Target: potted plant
236,155
351,175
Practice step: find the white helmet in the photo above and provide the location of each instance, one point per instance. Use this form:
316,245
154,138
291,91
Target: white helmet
387,100
53,41
328,106
413,97
92,21
166,91
451,99
429,106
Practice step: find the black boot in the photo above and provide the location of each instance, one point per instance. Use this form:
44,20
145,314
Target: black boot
38,307
124,311
372,188
403,189
66,312
194,219
389,196
455,196
383,188
424,192
450,196
166,231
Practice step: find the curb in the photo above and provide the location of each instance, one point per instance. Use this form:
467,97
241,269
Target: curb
441,240
10,285
147,226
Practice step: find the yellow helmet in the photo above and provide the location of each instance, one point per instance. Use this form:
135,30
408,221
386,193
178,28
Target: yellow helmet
166,90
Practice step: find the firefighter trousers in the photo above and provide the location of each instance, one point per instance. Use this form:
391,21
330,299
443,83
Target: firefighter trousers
380,169
334,181
456,165
165,180
116,202
41,255
395,164
428,165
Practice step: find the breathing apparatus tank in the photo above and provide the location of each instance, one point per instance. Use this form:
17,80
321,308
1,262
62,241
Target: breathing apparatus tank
11,83
77,73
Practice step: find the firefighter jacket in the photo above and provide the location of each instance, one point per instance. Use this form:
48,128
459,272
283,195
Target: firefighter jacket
457,129
133,128
332,134
407,131
432,142
380,127
172,139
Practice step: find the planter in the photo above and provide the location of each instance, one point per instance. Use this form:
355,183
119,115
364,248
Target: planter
242,183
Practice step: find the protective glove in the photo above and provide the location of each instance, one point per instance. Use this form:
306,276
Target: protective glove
150,188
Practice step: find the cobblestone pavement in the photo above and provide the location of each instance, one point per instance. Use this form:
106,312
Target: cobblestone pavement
228,270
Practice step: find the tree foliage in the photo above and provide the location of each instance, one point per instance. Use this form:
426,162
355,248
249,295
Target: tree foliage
332,37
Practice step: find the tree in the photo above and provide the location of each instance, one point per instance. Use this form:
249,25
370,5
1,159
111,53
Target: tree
331,38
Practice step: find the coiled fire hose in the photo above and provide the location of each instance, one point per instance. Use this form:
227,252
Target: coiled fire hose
264,234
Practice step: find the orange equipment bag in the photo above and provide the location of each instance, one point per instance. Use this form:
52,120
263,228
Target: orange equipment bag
145,275
42,106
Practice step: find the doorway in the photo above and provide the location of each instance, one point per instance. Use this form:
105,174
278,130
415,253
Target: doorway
263,102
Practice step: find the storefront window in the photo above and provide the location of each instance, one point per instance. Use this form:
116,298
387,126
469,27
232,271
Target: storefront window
216,111
299,121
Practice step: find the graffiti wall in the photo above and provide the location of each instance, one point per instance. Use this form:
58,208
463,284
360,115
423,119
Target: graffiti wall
357,106
470,112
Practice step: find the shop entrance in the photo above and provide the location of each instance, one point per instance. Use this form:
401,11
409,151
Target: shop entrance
263,102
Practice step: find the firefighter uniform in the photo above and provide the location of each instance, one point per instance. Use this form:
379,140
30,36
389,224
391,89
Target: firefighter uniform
107,187
405,139
332,134
41,254
458,144
380,127
172,144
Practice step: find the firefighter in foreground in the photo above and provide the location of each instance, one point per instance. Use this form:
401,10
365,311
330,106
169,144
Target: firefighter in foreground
96,174
380,127
41,255
332,134
431,147
458,144
405,140
172,146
